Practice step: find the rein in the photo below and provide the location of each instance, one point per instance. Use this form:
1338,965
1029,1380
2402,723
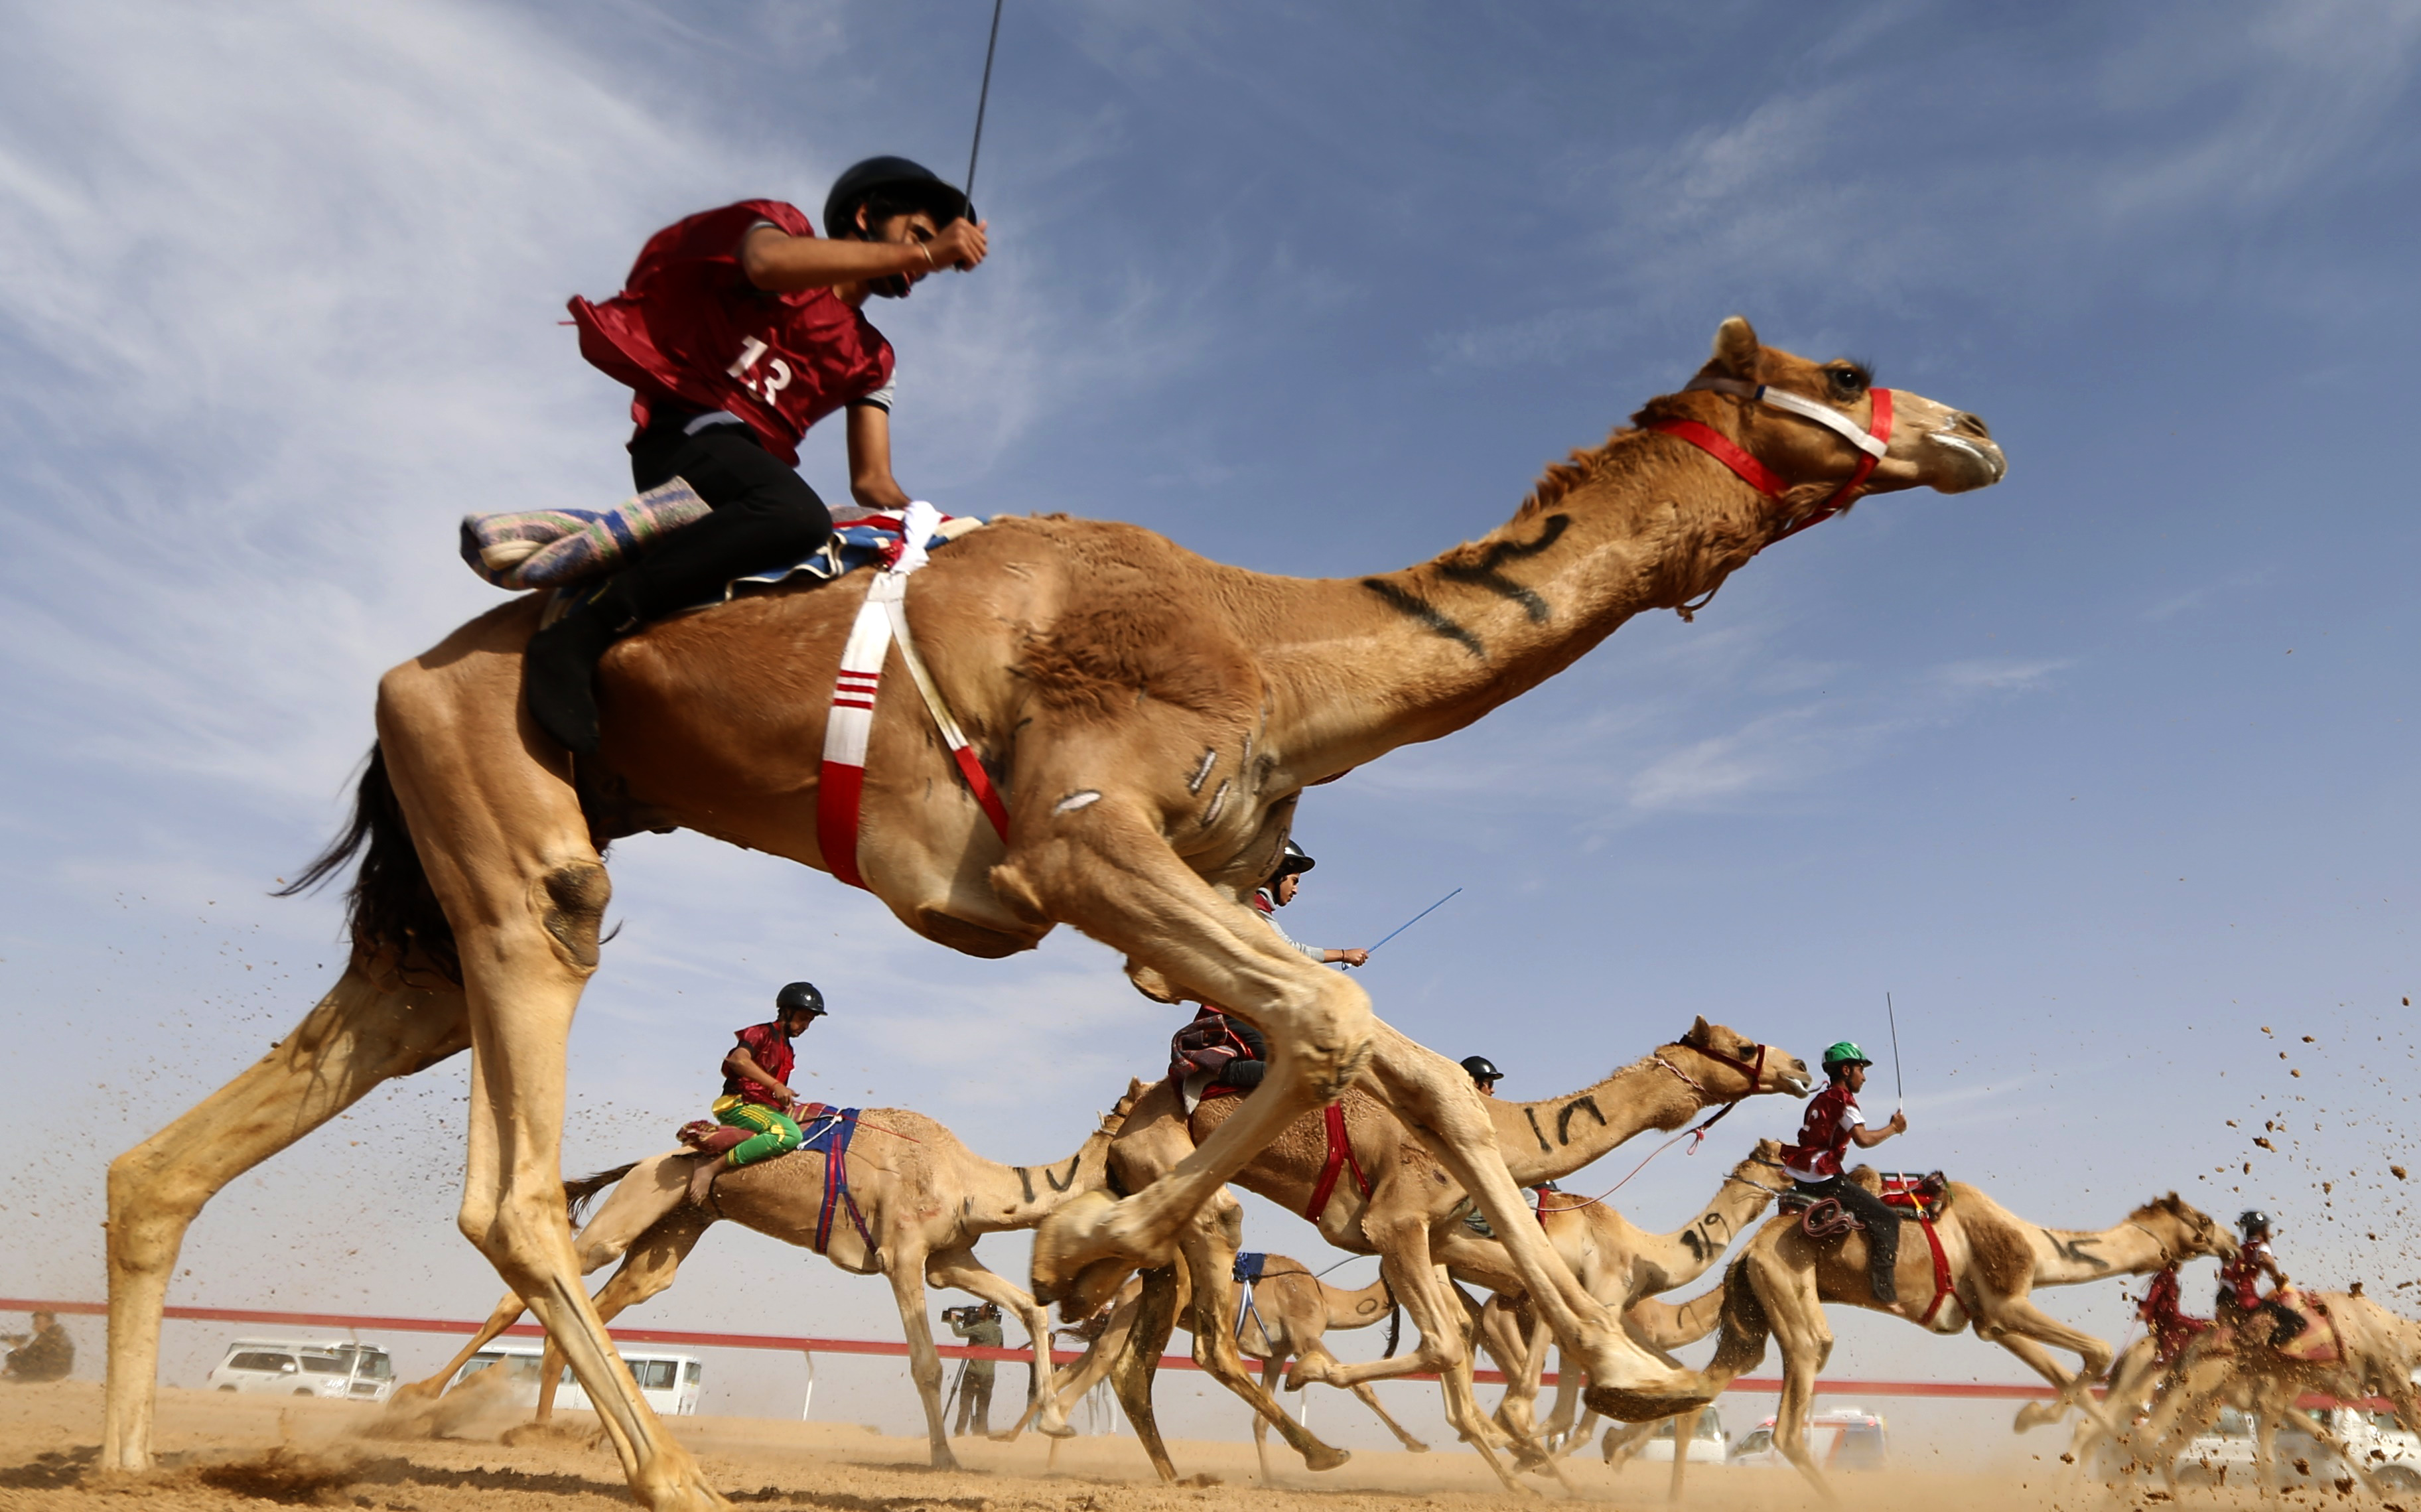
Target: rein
1753,1069
1873,442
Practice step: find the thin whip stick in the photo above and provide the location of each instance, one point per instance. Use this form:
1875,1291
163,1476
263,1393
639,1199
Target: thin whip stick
1418,917
983,99
1899,1088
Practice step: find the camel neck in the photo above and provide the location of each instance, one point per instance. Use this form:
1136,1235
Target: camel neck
2066,1257
1360,666
1544,1141
1020,1197
1675,1259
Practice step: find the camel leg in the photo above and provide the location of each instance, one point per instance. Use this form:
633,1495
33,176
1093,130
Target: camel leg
1209,1253
1270,1367
960,1269
637,1203
1316,1350
358,1035
1805,1342
1435,1100
507,852
1685,1428
905,1270
648,1269
1623,1441
1138,1361
507,1312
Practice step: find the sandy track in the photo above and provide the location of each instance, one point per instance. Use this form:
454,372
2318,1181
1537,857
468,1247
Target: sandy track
222,1451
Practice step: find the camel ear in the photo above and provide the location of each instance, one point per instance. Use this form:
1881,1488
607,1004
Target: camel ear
1699,1030
1736,350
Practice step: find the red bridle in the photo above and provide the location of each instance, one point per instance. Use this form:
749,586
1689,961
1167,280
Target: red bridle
1754,1070
1872,443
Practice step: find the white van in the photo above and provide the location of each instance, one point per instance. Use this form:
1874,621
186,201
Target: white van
345,1370
1706,1445
1842,1438
669,1381
2223,1452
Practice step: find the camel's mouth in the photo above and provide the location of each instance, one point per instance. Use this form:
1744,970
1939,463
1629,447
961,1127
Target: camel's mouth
1978,461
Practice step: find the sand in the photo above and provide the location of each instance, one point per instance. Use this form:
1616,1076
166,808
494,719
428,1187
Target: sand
222,1451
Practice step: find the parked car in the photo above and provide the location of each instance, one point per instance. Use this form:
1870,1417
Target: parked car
2223,1452
346,1369
1706,1445
1842,1438
669,1381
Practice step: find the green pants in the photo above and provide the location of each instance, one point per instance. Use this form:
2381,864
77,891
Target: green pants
775,1133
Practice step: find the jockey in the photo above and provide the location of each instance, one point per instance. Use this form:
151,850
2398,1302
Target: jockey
1833,1124
2163,1315
1279,891
736,330
756,1106
1484,1074
2239,1280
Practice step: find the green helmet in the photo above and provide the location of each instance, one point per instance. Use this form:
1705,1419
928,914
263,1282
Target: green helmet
1845,1053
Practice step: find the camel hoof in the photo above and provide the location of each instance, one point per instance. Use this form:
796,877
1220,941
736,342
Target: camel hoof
1324,1456
1635,1407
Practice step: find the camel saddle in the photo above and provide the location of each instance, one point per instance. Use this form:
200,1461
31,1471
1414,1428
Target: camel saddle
1922,1197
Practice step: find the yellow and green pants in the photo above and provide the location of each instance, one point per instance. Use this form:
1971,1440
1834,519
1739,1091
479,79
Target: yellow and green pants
776,1134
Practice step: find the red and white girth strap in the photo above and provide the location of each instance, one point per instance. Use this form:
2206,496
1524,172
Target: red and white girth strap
881,620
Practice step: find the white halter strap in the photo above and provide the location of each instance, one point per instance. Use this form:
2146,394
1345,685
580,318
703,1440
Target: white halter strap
1806,409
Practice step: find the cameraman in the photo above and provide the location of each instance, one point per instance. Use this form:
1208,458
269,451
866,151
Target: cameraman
978,1325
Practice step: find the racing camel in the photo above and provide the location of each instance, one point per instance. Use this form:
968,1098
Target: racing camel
1151,719
910,1204
1979,1265
1374,1189
2350,1349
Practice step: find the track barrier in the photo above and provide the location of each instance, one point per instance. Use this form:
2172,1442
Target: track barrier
796,1343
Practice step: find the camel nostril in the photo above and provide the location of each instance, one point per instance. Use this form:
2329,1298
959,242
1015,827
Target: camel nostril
1972,422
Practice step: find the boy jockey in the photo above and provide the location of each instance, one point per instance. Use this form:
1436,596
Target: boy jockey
1280,890
757,1103
736,330
2240,1281
1833,1124
1484,1074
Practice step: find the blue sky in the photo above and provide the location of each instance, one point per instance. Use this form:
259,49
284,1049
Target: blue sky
2104,773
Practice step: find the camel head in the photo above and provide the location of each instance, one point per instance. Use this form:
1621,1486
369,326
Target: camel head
1731,1065
2187,1230
1776,405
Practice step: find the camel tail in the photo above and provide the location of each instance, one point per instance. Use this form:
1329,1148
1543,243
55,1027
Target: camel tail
1395,1321
1745,1328
578,1194
390,907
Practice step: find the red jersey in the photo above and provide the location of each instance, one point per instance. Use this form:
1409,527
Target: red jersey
771,1048
690,328
2162,1309
1825,1134
2239,1279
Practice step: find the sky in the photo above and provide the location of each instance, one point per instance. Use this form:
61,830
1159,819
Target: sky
2103,775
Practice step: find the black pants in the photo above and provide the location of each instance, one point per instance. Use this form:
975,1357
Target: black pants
1883,1229
765,515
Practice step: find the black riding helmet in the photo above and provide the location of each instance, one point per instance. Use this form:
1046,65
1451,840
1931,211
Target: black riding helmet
800,997
1291,861
2251,1220
890,186
1482,1070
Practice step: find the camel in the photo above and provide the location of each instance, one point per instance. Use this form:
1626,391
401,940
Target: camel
1151,718
1623,1265
923,1197
2374,1355
1292,1311
1992,1261
1410,1216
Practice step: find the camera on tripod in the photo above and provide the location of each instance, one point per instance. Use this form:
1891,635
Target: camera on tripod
968,1313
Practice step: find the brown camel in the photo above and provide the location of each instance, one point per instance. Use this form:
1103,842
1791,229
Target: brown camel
2374,1353
1290,1314
1151,718
1623,1265
1410,1216
923,1197
1993,1260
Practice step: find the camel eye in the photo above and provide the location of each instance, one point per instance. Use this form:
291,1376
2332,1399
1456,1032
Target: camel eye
1849,381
